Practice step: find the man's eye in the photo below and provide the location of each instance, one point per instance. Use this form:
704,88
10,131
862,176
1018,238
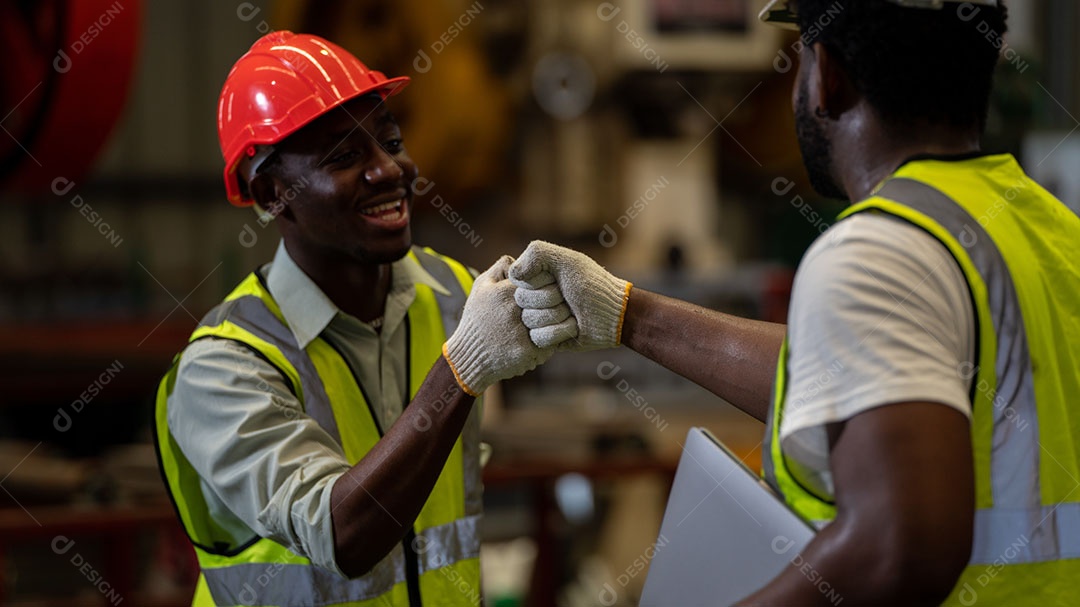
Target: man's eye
343,156
394,146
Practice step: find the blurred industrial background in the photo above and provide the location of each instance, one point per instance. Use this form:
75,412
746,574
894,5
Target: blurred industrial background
656,135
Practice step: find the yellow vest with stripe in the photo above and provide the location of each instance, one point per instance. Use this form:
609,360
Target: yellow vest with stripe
438,561
1019,249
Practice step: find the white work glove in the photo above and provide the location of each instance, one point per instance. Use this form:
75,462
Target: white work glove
491,343
548,274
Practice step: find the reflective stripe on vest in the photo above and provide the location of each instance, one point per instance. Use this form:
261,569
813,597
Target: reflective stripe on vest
1012,525
1017,510
301,584
251,314
445,538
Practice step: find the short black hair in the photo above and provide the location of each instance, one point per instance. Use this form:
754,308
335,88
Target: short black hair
913,65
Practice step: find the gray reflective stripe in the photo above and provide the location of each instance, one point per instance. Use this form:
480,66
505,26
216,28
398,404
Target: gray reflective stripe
300,585
251,314
305,585
1018,523
1015,455
450,308
437,547
1045,533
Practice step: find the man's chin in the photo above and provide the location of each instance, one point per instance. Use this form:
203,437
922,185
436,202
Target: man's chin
815,153
386,254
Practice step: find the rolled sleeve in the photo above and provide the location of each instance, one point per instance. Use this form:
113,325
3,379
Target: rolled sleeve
257,452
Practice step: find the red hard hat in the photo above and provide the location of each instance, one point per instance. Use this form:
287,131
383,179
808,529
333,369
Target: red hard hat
282,83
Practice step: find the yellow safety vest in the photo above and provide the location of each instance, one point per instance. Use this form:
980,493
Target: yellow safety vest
438,561
1019,249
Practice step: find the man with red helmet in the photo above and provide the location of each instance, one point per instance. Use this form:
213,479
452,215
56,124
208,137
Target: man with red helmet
318,435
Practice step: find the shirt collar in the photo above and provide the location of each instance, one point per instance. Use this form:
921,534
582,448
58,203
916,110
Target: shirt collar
308,310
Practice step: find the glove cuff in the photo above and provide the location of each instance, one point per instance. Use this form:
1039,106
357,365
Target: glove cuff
466,359
608,308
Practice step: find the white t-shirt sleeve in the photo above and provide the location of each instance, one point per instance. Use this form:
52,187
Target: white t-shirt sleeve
880,314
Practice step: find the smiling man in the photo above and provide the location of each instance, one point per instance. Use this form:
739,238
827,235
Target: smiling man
318,435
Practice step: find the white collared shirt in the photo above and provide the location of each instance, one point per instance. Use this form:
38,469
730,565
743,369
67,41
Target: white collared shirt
266,468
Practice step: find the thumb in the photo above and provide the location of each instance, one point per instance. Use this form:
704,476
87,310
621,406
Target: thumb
498,270
534,261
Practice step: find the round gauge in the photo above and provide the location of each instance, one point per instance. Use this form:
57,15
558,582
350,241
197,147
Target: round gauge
564,84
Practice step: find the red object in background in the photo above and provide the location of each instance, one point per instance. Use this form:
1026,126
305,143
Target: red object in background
67,71
777,295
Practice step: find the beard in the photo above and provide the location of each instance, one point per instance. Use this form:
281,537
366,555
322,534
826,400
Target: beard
816,150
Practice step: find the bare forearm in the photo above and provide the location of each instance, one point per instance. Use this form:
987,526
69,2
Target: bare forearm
845,564
376,502
829,571
735,358
905,493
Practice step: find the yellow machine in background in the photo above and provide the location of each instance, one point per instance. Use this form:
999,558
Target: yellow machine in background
457,122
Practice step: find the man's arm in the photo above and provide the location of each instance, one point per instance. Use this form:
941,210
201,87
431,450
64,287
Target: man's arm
734,358
905,497
375,503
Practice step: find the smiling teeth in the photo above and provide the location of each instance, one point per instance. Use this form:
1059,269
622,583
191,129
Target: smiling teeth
382,208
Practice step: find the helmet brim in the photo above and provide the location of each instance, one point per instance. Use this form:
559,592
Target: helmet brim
782,14
779,13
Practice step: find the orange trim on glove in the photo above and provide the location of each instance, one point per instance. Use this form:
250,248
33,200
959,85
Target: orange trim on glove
622,314
457,376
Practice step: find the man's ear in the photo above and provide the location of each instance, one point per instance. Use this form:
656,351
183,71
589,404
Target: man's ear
265,191
830,89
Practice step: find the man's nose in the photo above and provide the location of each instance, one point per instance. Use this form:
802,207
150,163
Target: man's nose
384,168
